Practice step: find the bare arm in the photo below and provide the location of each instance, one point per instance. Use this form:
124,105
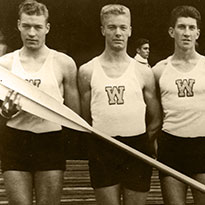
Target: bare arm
153,111
157,71
71,93
84,79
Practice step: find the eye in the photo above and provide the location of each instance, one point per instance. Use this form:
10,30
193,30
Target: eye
111,27
181,26
38,27
26,26
123,28
192,27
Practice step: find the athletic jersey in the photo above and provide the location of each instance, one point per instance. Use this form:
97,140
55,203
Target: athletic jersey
45,80
117,104
183,100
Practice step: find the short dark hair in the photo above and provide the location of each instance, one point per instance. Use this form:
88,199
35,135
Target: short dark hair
185,11
32,7
141,41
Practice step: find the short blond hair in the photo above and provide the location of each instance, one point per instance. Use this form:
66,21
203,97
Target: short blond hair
115,9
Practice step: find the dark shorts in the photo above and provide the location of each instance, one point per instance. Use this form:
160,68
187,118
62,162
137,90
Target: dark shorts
186,155
27,151
110,165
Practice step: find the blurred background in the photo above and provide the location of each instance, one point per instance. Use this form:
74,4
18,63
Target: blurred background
75,26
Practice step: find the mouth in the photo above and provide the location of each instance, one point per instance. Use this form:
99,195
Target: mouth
186,40
31,41
118,41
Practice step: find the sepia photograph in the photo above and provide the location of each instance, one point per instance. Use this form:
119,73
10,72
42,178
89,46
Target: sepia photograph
102,102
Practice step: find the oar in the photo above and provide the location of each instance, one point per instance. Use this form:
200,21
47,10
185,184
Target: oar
35,101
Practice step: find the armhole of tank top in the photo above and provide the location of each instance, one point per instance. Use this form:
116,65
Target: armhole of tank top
136,72
50,60
165,69
15,60
131,68
201,62
94,64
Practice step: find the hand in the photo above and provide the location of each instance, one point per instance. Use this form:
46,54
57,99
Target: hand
11,104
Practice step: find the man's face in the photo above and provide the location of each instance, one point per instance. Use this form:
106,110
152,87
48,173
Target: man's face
185,33
33,30
144,51
116,30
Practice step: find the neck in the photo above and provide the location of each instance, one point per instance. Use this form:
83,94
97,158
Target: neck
35,53
115,56
186,55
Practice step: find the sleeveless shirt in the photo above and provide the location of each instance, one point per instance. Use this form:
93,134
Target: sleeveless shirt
183,100
45,80
117,104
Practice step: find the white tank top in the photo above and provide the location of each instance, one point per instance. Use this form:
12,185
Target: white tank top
45,80
117,104
183,100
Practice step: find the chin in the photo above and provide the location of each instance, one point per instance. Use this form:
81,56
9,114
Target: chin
118,48
32,47
185,48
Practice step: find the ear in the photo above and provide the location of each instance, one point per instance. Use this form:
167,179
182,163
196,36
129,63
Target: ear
171,32
130,31
48,26
18,24
198,33
138,50
102,30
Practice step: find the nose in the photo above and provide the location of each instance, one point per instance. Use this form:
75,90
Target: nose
118,32
31,32
186,31
146,50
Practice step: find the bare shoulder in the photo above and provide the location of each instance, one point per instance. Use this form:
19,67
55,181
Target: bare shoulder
159,68
85,71
145,74
64,62
7,60
203,60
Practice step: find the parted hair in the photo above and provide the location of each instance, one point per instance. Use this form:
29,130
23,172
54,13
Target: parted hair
32,7
185,11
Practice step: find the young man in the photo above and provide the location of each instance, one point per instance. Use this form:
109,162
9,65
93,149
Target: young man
116,94
180,79
142,51
33,148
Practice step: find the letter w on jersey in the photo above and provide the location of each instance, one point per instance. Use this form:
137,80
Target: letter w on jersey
185,87
115,94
